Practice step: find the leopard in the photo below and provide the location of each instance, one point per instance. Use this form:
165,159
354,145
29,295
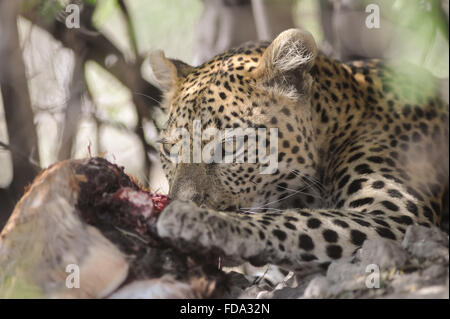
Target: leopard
362,153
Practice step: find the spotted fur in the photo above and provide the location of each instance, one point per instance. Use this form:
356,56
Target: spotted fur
363,152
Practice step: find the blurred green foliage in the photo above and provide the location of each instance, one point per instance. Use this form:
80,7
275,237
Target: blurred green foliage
424,27
104,10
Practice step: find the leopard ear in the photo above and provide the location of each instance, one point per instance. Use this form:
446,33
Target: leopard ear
287,61
166,72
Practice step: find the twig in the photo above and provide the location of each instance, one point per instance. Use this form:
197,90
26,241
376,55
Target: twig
127,233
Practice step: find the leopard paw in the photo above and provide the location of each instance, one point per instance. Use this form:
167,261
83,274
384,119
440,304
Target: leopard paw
190,223
180,220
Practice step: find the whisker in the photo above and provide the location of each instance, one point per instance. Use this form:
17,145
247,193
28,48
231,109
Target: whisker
299,192
310,179
314,183
249,209
281,199
147,96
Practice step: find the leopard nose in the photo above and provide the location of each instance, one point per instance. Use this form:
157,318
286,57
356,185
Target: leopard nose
186,193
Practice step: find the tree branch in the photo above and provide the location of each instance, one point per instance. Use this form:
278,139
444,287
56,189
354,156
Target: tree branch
98,48
18,111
